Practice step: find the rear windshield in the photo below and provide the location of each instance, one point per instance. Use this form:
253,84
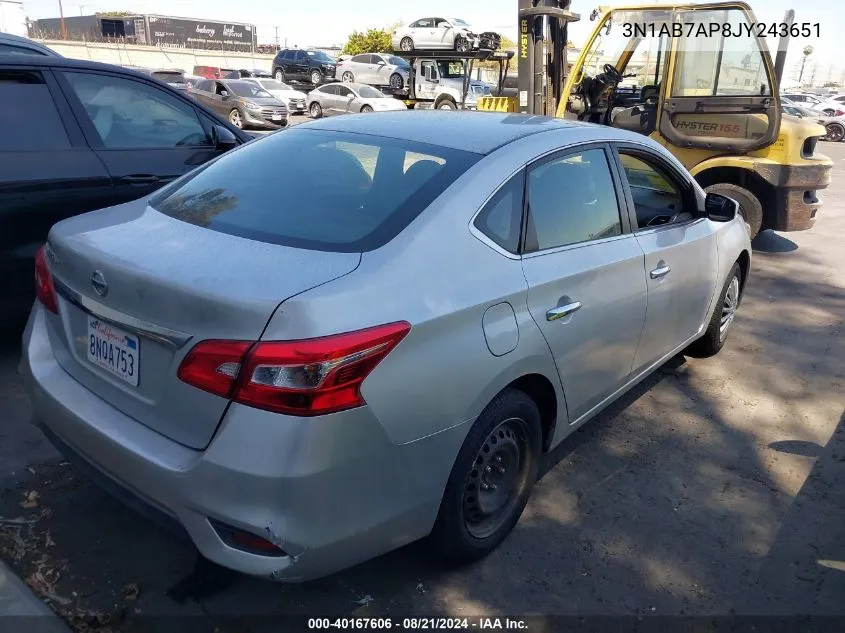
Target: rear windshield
316,189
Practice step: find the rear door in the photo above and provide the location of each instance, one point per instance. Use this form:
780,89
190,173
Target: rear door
681,257
719,90
359,66
47,174
145,135
584,268
423,33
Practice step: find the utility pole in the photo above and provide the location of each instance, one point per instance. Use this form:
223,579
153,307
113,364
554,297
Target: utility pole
81,9
62,18
808,50
277,37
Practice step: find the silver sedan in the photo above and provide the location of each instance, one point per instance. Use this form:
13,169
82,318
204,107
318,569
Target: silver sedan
343,98
306,381
376,69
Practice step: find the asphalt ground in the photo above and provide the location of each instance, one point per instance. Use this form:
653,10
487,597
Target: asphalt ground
714,489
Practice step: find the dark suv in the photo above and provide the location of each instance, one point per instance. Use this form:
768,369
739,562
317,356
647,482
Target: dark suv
296,64
78,136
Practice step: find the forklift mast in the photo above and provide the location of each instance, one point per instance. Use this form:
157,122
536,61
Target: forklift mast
542,67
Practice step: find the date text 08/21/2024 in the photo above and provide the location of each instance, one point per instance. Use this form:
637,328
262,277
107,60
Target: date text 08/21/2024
418,624
715,29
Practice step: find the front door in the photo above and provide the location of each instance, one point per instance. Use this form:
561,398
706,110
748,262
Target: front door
584,268
343,100
427,80
145,136
681,258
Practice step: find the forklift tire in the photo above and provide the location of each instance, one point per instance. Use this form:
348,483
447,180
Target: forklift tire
447,103
406,44
749,206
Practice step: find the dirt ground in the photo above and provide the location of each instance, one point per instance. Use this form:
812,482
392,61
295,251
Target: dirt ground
714,489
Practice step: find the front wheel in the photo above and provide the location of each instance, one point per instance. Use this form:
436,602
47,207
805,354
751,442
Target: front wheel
316,77
750,207
835,132
463,45
722,318
366,108
315,110
447,104
491,479
236,119
396,81
280,76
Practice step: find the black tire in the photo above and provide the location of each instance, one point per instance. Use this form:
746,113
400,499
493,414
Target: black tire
315,110
750,206
348,77
366,108
462,45
396,81
447,103
511,420
236,118
406,44
279,75
714,336
835,132
316,77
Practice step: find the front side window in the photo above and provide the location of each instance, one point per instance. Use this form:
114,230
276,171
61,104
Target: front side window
571,199
129,114
25,98
370,197
368,92
343,91
658,200
248,89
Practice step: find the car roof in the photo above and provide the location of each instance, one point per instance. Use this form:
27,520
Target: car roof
63,62
25,42
479,132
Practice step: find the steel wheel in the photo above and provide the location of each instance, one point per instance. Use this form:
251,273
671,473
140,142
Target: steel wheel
406,44
729,306
499,474
348,77
315,110
316,77
236,119
835,132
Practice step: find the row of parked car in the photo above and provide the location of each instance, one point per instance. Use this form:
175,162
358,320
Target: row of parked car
830,113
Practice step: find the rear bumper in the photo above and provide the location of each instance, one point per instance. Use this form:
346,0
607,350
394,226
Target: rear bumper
330,492
797,188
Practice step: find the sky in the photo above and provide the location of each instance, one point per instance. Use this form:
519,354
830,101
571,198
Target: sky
299,25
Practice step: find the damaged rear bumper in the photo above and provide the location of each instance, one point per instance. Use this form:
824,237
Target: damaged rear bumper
328,492
796,186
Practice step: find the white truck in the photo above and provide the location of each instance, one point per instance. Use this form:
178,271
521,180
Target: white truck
12,18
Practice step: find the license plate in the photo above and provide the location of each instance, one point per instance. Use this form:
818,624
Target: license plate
114,350
277,117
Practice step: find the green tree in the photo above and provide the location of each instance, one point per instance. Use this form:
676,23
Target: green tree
373,41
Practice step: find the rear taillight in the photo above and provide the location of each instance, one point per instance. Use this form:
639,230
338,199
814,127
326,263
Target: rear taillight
305,378
44,288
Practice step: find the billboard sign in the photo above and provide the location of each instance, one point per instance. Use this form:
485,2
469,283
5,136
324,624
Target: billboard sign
203,34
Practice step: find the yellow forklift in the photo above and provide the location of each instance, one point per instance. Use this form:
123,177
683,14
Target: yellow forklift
697,79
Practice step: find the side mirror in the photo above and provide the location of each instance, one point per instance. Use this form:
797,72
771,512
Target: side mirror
381,62
224,93
223,138
720,208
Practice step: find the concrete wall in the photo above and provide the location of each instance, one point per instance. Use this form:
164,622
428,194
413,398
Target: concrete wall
150,57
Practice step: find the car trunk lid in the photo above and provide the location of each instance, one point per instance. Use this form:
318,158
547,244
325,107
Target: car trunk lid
136,279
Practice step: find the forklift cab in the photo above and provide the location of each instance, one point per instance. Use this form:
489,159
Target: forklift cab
693,77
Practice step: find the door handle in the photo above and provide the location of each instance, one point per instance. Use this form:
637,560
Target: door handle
558,313
662,271
147,179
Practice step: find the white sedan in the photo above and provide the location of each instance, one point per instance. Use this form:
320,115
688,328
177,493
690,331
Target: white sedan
294,99
344,98
429,33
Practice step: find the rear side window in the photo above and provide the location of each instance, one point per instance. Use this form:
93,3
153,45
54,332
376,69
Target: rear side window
337,192
501,218
571,199
29,120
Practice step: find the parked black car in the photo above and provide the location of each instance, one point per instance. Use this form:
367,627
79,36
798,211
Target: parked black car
243,103
78,136
296,64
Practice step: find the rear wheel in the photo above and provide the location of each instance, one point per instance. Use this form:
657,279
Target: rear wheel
406,44
750,206
835,132
491,479
315,110
722,318
236,119
348,77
